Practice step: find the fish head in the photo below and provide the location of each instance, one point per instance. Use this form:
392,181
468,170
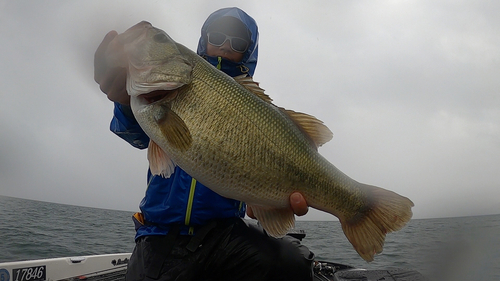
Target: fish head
156,72
153,61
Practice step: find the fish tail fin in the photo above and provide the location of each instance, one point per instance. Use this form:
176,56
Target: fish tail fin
386,212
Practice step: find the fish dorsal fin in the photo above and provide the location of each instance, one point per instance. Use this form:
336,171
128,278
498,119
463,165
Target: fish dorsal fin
159,162
248,83
312,127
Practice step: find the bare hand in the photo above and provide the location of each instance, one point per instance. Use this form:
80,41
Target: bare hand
297,203
112,81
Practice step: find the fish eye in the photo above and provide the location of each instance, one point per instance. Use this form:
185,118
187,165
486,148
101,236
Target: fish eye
160,38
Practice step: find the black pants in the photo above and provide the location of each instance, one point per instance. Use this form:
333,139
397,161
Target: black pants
232,250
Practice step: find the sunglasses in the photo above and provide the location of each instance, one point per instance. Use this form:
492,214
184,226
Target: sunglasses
218,39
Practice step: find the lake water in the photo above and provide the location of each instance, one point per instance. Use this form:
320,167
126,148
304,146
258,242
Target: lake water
464,248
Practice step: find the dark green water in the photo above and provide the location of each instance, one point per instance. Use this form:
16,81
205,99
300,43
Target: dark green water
465,248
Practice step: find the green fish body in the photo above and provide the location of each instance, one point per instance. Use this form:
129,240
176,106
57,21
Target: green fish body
228,135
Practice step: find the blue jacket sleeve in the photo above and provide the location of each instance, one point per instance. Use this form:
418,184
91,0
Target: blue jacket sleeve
126,127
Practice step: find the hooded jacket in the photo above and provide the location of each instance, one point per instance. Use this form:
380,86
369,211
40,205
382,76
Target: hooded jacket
249,61
180,199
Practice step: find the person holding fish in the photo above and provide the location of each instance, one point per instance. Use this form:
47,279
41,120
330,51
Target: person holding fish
186,231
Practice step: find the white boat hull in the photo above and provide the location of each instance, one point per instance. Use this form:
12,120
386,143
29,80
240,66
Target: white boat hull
81,267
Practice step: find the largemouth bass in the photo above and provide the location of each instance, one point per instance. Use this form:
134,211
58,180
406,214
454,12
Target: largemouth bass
227,134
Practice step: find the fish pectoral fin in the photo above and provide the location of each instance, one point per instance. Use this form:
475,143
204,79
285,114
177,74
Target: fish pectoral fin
275,221
312,127
248,83
159,162
366,230
175,130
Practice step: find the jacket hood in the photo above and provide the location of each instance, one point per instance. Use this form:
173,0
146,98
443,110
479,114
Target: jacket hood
249,61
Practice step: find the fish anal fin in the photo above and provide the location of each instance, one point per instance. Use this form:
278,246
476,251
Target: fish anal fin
248,83
159,162
366,230
312,127
175,130
276,222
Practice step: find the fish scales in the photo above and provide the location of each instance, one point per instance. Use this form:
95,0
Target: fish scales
256,159
230,137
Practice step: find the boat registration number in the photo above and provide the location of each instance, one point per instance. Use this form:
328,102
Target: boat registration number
34,273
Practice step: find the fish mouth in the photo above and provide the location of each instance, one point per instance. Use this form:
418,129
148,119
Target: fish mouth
159,95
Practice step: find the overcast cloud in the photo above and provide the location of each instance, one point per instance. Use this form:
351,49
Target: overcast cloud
410,89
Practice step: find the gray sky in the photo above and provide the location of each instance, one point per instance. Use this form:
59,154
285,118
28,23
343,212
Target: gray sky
410,89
